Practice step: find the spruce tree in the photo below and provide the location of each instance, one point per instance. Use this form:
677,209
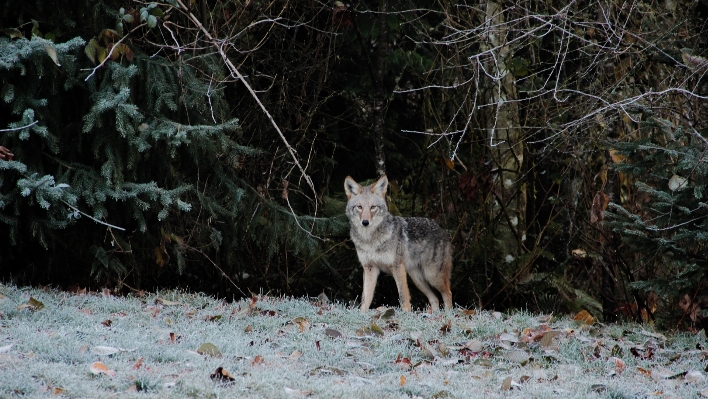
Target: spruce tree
665,230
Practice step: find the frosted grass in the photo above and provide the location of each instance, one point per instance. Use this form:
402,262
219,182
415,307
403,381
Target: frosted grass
281,348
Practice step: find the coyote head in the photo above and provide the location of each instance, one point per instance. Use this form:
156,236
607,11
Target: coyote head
367,205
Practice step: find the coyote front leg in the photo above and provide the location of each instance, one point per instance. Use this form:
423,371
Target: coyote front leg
371,274
399,274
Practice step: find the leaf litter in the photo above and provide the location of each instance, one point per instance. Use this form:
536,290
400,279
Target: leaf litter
281,347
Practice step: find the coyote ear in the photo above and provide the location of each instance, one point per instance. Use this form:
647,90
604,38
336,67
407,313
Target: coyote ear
351,187
380,186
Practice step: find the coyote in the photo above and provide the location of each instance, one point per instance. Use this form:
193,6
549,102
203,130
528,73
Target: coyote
396,245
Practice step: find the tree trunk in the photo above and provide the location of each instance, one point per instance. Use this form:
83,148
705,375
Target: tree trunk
379,91
504,138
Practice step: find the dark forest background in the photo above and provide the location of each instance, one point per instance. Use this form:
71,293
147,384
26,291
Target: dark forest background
203,144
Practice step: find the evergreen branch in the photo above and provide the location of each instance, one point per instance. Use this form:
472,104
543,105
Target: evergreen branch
91,217
235,71
19,128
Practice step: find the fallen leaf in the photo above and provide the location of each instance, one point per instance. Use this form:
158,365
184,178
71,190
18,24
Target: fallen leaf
100,368
584,317
403,380
302,322
549,341
209,349
258,360
107,322
248,329
32,304
645,372
510,337
621,365
165,302
296,353
221,375
297,392
470,312
475,345
404,363
105,350
138,364
6,348
534,334
332,333
506,385
517,356
57,391
446,327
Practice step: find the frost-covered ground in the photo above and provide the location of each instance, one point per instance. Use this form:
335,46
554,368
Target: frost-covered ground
54,343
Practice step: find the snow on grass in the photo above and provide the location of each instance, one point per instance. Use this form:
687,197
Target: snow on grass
286,347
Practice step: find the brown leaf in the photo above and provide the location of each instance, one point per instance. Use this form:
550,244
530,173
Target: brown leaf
506,385
100,368
107,322
248,329
446,327
258,360
138,364
621,365
403,380
549,341
584,317
534,334
645,372
466,312
221,375
599,204
32,304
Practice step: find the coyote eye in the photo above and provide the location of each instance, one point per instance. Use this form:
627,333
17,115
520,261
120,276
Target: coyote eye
359,207
373,207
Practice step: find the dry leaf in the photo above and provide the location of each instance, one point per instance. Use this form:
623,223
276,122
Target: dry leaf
138,364
105,350
296,353
599,205
52,52
165,302
584,317
302,323
506,385
107,322
403,380
549,341
332,333
32,304
446,327
257,360
221,375
6,348
621,365
209,349
297,392
616,156
645,372
248,329
100,368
